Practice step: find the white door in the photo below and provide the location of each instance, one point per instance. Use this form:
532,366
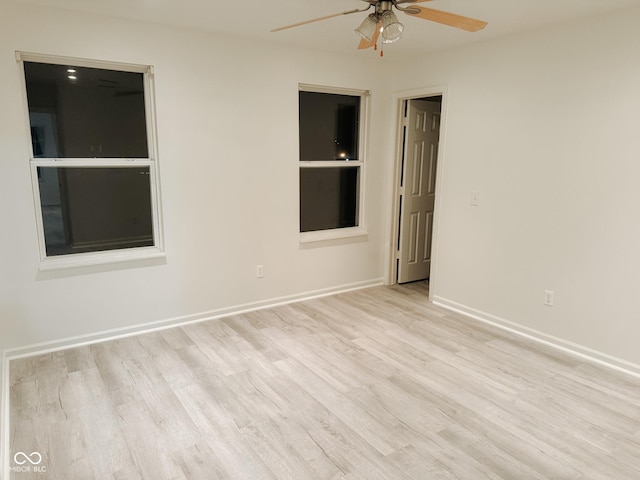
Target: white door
418,189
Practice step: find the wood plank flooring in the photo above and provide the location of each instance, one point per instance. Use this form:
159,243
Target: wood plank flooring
371,384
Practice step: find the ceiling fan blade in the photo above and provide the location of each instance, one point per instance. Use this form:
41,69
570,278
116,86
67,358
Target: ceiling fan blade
412,1
364,44
347,12
446,18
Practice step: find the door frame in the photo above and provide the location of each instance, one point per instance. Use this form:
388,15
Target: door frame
399,98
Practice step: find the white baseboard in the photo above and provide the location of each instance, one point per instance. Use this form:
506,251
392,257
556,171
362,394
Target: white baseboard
113,334
571,348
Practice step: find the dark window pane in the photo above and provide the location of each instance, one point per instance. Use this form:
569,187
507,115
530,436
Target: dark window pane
329,126
99,114
328,198
95,209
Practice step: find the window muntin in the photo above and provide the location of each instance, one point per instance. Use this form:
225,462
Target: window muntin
93,167
331,163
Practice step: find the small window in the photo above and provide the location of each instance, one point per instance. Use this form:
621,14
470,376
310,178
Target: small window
94,174
328,198
329,127
331,164
80,112
88,209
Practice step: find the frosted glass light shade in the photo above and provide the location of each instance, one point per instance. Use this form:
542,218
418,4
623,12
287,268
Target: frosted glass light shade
391,27
368,27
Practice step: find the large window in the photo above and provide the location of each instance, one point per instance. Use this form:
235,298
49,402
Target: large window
93,164
331,124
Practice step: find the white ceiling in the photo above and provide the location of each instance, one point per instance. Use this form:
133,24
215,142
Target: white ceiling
254,19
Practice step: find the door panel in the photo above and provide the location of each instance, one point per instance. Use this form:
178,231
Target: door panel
418,169
414,238
419,177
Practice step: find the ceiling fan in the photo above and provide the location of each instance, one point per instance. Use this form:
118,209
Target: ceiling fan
385,23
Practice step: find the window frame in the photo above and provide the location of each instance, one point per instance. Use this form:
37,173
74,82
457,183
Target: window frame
105,256
340,232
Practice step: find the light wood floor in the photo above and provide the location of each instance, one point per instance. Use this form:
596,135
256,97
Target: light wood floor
372,384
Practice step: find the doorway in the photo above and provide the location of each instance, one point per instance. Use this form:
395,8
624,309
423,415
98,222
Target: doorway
415,186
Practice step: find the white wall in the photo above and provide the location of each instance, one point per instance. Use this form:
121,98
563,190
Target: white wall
545,125
227,127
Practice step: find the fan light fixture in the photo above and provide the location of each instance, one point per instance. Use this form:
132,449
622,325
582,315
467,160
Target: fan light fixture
384,23
368,27
391,27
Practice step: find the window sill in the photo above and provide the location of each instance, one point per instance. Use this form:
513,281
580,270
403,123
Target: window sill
334,236
100,258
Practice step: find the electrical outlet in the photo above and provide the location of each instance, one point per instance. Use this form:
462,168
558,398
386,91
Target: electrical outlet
548,298
259,271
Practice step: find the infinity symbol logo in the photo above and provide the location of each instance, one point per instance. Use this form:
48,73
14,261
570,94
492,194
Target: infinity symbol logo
34,458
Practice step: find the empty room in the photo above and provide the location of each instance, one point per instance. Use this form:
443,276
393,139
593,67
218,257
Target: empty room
320,240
